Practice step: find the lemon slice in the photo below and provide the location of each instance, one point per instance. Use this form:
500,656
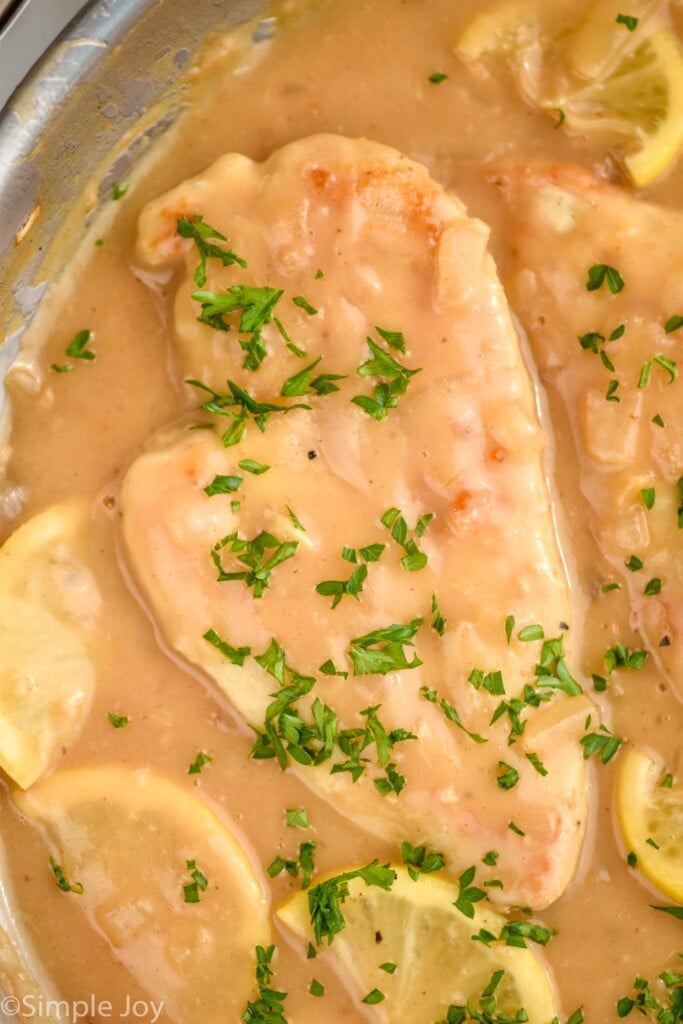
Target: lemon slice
649,811
126,836
416,927
604,78
48,601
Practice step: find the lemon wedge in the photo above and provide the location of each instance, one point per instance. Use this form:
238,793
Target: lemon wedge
163,879
48,601
412,946
651,820
626,83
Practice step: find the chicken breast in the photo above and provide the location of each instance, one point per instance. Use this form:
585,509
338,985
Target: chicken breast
306,551
611,351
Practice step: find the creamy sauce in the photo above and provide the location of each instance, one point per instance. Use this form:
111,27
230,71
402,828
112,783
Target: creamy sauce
356,70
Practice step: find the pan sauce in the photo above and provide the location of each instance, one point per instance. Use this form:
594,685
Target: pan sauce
74,435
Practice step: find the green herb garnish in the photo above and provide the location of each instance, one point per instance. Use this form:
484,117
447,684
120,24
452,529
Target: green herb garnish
200,762
118,721
62,881
194,227
602,273
193,889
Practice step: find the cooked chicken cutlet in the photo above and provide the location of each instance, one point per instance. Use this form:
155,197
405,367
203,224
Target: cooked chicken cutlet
306,551
612,352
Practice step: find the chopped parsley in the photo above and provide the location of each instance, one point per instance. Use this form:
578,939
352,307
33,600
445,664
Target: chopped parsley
603,743
673,323
325,900
291,345
296,522
634,564
509,626
421,861
668,365
234,654
438,622
528,633
371,553
437,77
194,227
537,763
297,817
118,721
268,1008
303,864
304,383
336,589
611,393
621,656
303,303
200,762
507,777
252,466
223,485
382,650
552,671
628,21
62,881
516,829
316,988
450,712
239,406
119,190
414,559
646,1002
260,555
373,997
648,495
602,273
255,305
394,339
387,393
468,894
192,890
653,586
77,346
288,736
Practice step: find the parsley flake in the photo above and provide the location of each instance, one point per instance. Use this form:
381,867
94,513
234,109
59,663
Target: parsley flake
602,273
62,881
192,890
118,721
223,485
200,762
420,860
382,650
77,346
194,227
325,900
